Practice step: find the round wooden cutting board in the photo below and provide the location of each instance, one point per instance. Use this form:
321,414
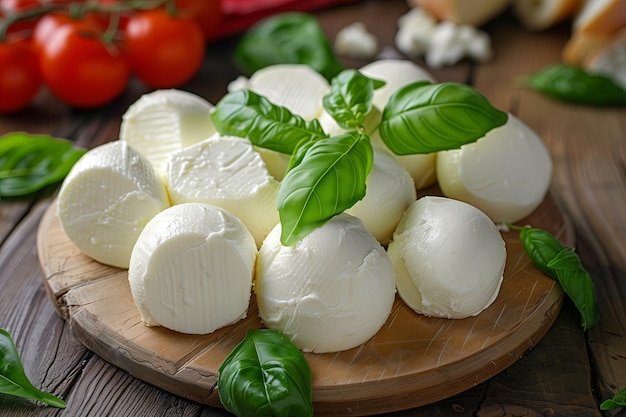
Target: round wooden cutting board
412,361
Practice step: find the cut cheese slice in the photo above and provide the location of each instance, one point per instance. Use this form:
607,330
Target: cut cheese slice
226,171
506,173
191,269
541,14
107,199
610,60
475,13
331,291
164,121
601,17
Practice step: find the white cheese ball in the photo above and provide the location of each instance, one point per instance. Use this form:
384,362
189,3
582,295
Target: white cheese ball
331,291
448,258
390,190
107,199
192,268
226,171
506,173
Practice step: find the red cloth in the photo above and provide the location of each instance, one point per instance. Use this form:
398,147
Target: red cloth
239,15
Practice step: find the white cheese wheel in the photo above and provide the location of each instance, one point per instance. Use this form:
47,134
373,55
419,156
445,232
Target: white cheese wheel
331,291
294,86
107,199
448,258
191,270
390,190
227,172
164,121
506,173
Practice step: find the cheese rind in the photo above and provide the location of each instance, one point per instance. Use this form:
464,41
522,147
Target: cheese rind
107,199
506,173
331,291
448,258
192,269
227,172
164,121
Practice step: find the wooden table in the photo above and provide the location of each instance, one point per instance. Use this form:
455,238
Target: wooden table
568,373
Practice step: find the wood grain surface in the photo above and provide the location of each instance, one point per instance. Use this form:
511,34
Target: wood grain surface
413,360
567,373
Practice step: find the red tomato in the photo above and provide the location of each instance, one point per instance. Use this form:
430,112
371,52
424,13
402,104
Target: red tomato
20,79
207,13
163,51
80,68
50,22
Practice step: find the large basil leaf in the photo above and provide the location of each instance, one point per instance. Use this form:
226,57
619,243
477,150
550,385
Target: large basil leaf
327,179
249,115
422,117
287,38
350,98
266,375
541,247
13,379
31,162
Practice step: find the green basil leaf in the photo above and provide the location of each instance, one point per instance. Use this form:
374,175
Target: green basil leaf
30,162
266,375
423,117
618,401
541,247
577,284
575,85
249,115
287,38
350,98
329,178
13,379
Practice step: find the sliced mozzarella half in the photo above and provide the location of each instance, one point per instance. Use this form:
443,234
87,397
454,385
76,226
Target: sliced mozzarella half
448,258
390,190
506,173
192,268
227,172
107,199
164,121
331,291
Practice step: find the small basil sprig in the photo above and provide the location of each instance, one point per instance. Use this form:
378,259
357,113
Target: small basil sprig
31,162
246,114
575,85
562,264
13,379
266,375
287,38
350,98
618,401
329,178
422,117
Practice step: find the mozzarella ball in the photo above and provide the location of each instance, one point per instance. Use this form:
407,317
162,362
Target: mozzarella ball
448,258
107,199
506,173
331,291
191,269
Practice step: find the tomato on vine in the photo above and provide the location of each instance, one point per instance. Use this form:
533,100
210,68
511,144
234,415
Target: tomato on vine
20,79
164,51
81,68
23,27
